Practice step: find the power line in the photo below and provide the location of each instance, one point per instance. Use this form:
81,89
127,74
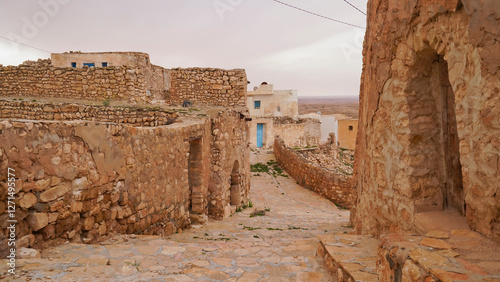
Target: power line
8,39
318,15
355,7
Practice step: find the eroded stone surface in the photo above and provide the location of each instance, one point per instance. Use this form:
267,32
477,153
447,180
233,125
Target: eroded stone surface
429,115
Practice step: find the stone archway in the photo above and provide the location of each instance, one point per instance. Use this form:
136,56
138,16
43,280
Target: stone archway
421,146
234,190
433,152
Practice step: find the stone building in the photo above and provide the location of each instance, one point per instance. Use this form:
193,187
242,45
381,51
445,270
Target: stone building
429,130
83,171
100,59
344,129
275,113
345,133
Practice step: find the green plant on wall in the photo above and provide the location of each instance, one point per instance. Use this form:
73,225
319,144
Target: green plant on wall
106,102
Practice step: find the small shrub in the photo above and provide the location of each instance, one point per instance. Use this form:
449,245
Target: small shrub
106,103
259,167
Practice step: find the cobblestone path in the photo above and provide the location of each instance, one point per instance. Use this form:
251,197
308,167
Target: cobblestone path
279,246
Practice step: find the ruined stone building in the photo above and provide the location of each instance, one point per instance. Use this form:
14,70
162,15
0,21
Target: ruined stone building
275,113
84,170
429,130
344,129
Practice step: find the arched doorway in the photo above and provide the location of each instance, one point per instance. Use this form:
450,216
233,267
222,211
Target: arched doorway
434,144
234,190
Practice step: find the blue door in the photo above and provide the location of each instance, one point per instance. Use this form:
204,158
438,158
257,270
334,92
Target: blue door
260,134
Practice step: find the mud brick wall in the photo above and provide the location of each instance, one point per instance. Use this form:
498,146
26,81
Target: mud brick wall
82,180
66,112
336,188
96,84
209,86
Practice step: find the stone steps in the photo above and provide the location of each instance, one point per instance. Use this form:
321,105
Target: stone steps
349,257
456,255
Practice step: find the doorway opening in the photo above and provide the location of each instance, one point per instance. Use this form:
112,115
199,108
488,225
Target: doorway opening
195,167
436,174
260,135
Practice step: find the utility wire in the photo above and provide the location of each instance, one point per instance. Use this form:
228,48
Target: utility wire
355,7
318,15
8,39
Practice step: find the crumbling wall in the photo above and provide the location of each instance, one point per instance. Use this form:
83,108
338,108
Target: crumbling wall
300,132
429,132
209,86
65,112
157,81
83,180
95,84
230,176
335,187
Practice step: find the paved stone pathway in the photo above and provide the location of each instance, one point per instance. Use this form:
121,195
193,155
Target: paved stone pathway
279,246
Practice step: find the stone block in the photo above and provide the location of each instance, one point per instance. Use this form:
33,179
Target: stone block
54,192
37,221
28,200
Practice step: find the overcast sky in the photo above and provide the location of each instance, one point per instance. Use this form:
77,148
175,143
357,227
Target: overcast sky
274,43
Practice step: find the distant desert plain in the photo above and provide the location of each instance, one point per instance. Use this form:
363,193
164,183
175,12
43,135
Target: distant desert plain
348,106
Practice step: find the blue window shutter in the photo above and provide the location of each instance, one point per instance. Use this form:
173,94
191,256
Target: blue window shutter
73,64
256,104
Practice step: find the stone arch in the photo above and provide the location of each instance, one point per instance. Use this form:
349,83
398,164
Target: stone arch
433,147
234,190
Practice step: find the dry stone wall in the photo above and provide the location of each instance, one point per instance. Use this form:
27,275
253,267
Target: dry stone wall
335,187
140,83
96,84
83,180
429,131
230,163
215,87
65,112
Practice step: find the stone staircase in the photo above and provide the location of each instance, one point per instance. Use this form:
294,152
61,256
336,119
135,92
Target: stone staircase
445,250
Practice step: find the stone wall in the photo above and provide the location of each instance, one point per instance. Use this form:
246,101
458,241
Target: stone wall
65,112
81,180
230,162
209,86
335,187
302,132
138,83
429,131
95,84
